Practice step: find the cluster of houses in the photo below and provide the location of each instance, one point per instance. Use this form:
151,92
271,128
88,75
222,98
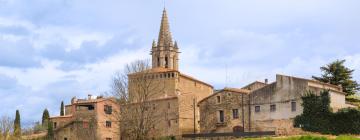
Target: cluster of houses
187,105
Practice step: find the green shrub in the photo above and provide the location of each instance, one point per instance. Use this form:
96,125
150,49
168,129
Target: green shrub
318,117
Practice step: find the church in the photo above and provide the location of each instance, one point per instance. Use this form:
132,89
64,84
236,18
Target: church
171,94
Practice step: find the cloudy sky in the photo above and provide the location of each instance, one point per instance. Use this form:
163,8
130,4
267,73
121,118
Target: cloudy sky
52,50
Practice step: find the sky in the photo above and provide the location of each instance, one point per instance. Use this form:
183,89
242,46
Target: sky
53,50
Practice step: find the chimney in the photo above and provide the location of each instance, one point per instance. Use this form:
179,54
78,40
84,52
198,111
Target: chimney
266,81
89,96
73,100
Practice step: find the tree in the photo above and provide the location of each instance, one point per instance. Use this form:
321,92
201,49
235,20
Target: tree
45,118
337,74
50,129
17,125
137,116
62,109
317,116
6,127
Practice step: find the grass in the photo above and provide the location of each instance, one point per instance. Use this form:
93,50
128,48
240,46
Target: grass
308,137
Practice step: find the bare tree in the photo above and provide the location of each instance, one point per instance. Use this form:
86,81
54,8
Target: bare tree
135,88
6,128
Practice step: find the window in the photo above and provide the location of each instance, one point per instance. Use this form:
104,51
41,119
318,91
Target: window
168,105
235,113
272,108
218,99
221,116
293,106
257,108
85,124
108,124
107,138
85,107
55,124
166,62
65,138
107,109
158,61
169,123
154,107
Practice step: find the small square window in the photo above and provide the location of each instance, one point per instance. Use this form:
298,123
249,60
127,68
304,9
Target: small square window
257,108
272,108
108,109
108,124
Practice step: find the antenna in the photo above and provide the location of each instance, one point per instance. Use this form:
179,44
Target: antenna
226,75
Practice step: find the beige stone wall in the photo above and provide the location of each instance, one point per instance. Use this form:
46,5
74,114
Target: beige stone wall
209,108
101,118
186,89
160,84
190,90
337,100
164,118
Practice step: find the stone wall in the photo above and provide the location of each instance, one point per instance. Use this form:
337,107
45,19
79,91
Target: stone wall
210,107
188,91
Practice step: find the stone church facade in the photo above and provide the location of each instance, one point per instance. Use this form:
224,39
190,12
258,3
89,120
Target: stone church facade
175,94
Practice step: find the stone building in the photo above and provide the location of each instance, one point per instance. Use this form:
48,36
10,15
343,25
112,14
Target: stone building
270,107
86,119
225,111
174,95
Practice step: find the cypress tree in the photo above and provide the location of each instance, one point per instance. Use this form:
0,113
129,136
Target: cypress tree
45,118
62,109
17,125
50,129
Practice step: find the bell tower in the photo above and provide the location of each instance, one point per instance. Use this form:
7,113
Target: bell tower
165,52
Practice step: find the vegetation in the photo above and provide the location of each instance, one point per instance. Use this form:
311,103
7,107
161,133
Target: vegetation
17,125
318,117
337,74
45,118
138,117
6,127
50,131
62,109
308,137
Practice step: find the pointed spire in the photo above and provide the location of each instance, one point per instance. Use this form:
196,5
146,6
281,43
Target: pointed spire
165,38
175,44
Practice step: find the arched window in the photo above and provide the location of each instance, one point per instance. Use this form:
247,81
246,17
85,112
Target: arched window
158,61
166,62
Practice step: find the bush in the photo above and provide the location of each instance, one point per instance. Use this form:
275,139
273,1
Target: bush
318,117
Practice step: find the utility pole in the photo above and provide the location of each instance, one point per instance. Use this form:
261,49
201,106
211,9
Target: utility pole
194,116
